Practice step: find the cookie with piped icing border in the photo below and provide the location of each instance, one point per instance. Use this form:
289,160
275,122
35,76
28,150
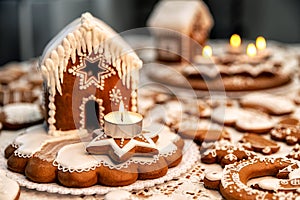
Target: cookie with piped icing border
20,115
269,103
141,144
9,189
235,177
224,152
246,120
257,143
45,158
287,130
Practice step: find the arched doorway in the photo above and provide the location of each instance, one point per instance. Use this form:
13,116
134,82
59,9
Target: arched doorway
91,116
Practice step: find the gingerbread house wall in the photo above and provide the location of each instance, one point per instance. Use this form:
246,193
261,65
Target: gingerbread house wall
70,105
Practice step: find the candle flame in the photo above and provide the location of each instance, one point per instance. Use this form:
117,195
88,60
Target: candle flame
122,110
251,50
207,51
261,43
235,40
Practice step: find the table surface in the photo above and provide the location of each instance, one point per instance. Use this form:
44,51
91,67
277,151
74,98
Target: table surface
187,186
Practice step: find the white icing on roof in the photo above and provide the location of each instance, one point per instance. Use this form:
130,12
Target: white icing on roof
179,15
86,34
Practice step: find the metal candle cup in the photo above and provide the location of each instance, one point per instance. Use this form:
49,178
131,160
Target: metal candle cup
127,126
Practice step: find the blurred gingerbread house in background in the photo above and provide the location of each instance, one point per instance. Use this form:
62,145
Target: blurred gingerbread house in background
88,70
180,28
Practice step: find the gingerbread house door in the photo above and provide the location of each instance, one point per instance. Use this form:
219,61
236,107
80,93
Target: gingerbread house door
91,113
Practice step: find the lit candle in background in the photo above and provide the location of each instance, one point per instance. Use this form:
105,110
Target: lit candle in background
251,50
207,51
235,41
235,44
261,46
206,57
261,43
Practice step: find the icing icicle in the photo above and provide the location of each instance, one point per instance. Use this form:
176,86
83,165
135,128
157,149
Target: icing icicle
86,35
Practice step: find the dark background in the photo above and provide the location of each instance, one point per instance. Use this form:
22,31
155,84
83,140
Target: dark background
27,25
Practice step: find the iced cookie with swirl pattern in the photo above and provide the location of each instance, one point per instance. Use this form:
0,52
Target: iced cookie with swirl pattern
225,152
272,104
248,120
235,177
20,115
287,130
257,143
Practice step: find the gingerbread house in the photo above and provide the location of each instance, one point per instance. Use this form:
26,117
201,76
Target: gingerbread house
88,70
179,27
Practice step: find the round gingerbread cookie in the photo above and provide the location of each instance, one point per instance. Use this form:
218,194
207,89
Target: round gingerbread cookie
20,115
235,177
212,179
9,189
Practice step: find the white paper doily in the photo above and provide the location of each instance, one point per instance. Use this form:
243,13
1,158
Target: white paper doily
190,156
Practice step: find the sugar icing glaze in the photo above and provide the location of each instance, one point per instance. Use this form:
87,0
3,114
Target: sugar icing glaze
22,113
86,162
9,189
34,138
213,175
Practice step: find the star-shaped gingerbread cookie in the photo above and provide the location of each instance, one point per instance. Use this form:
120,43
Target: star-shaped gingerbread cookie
122,149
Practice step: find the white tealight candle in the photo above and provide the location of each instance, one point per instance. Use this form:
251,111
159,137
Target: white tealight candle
122,123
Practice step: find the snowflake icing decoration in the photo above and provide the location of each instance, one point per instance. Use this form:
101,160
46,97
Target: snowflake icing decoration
115,96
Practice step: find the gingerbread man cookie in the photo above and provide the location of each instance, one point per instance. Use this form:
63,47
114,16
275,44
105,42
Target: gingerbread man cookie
259,144
225,152
287,130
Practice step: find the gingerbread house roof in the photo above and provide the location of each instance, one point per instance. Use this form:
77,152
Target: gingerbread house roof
179,15
86,35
